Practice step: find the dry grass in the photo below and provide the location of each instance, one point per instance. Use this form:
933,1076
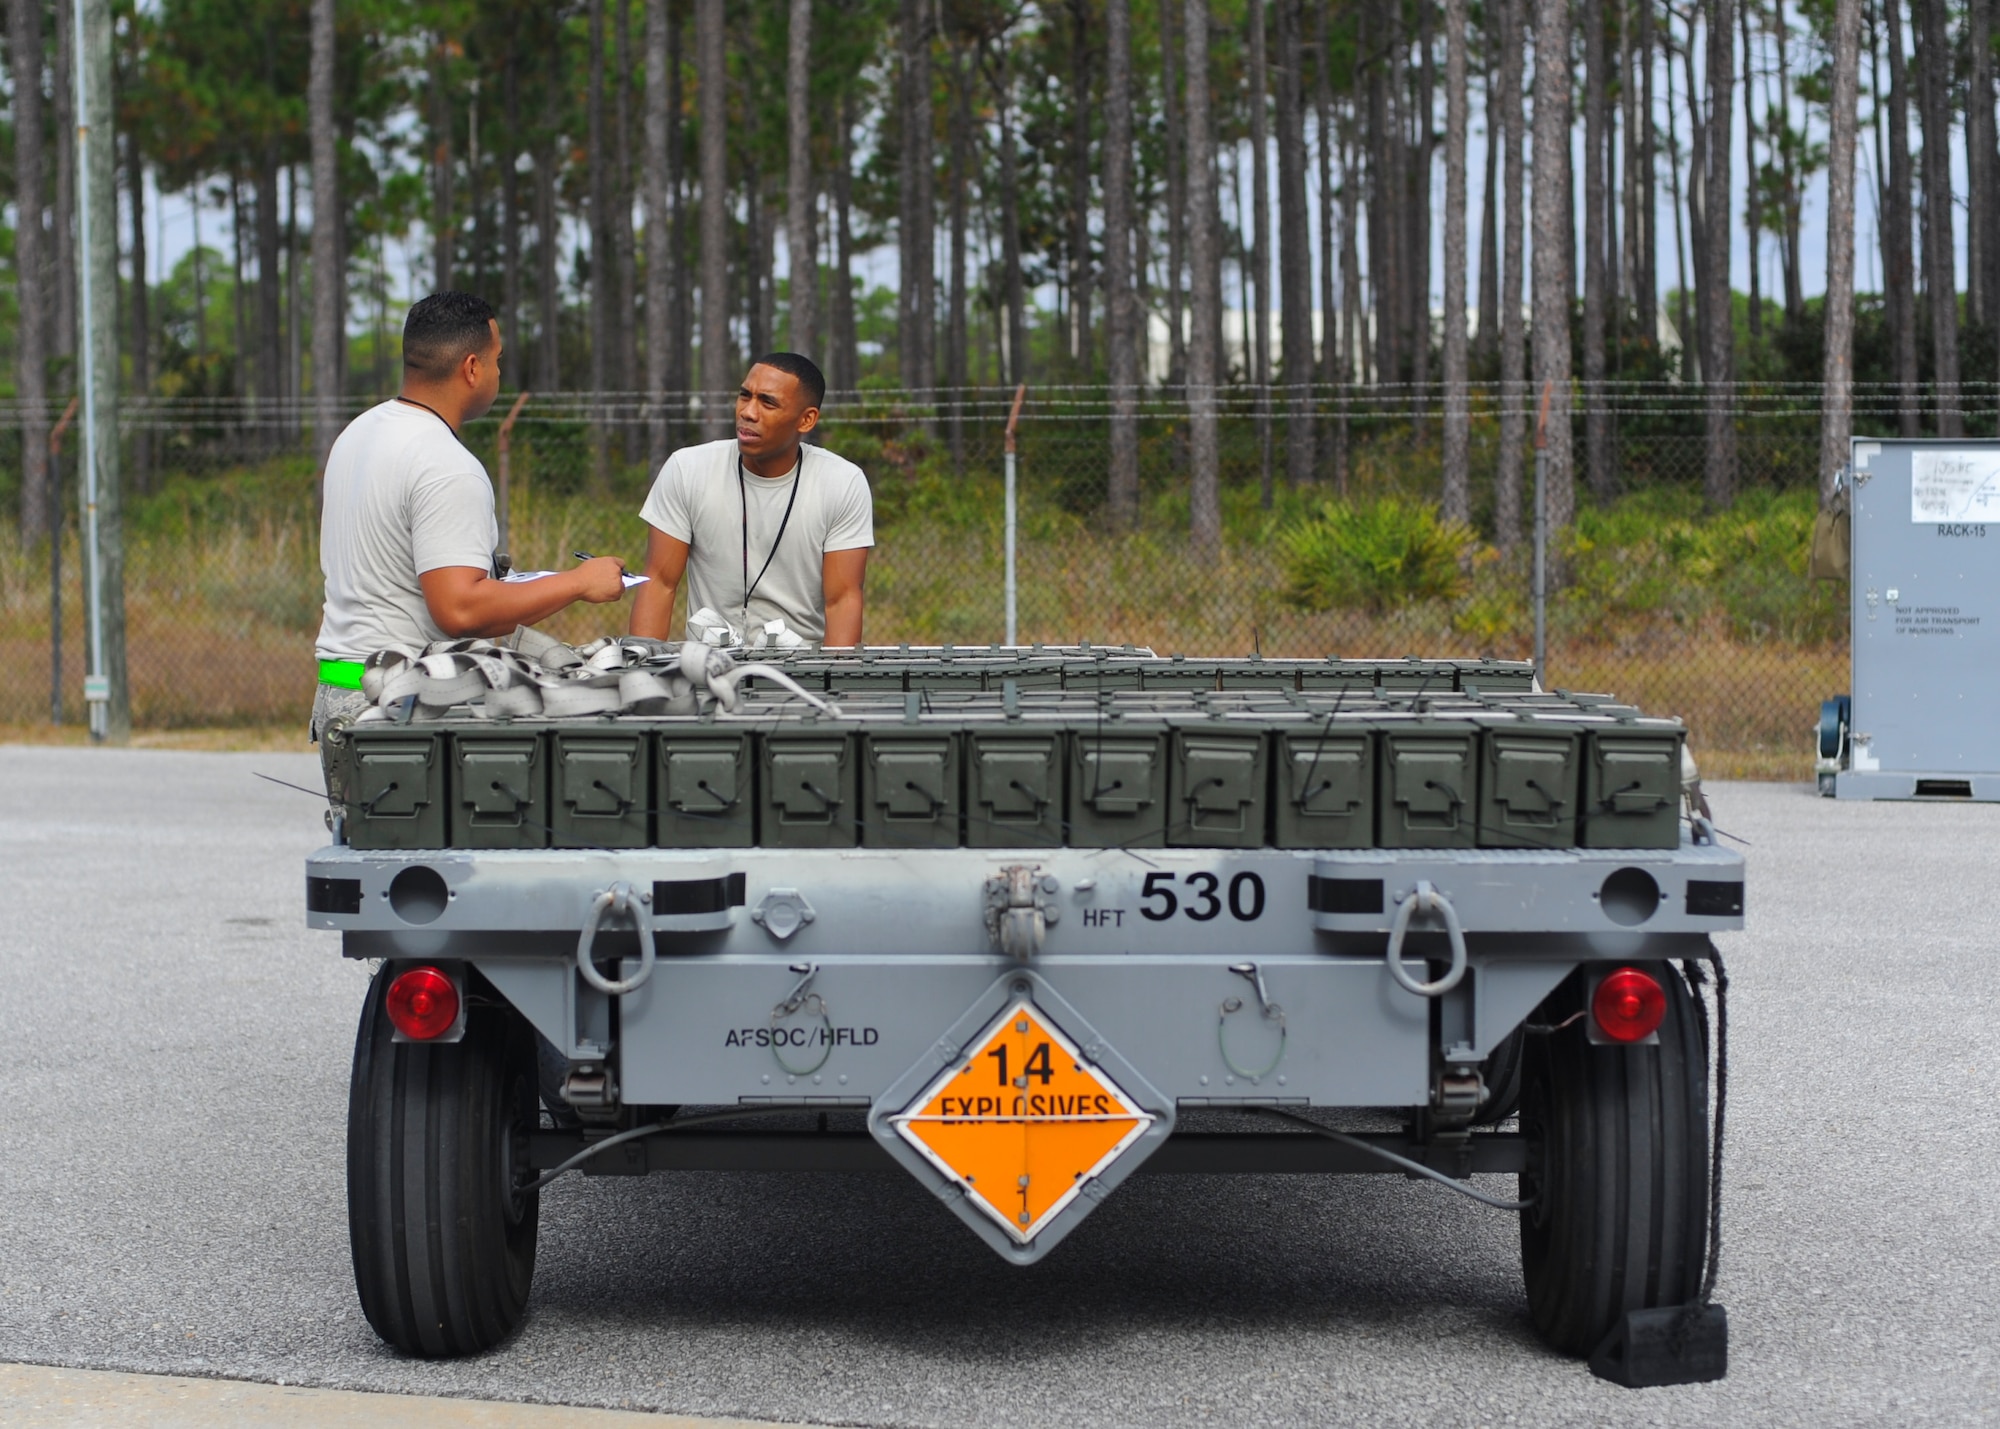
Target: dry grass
221,626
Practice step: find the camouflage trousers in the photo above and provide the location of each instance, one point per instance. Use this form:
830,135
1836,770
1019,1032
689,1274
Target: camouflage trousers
333,707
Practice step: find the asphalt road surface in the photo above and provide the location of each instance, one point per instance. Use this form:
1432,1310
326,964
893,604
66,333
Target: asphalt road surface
173,1080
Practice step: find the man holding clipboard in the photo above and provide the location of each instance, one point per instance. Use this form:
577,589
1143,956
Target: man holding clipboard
407,533
760,527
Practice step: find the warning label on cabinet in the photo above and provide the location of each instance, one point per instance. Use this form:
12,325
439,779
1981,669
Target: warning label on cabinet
1947,486
1932,620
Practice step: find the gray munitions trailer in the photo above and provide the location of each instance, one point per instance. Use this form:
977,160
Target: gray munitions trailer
1925,612
1022,943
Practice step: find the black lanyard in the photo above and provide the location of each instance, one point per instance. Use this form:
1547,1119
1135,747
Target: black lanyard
743,494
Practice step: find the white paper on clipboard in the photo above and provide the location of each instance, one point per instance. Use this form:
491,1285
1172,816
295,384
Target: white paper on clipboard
516,577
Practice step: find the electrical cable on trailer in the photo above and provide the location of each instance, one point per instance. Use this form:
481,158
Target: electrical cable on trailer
1498,1203
651,1129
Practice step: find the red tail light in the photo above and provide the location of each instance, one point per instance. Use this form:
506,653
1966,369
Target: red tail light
423,1004
1629,1005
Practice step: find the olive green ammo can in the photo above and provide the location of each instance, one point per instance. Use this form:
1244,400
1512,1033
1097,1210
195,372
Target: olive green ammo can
1221,785
910,787
500,788
706,794
396,778
1013,784
1428,777
601,789
1528,784
1117,783
1632,784
807,792
1325,796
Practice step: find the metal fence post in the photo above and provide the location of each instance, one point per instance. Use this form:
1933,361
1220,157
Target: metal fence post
505,464
1013,422
104,688
55,562
1541,594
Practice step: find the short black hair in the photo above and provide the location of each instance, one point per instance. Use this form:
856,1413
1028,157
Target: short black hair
801,367
443,330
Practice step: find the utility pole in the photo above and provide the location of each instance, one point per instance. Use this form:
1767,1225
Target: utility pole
104,689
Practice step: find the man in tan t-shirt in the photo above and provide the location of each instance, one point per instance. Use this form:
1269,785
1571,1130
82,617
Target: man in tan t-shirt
761,527
407,533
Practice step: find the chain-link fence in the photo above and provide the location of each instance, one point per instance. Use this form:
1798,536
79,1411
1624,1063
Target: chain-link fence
1663,598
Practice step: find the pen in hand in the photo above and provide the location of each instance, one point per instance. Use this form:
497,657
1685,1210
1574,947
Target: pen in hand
583,555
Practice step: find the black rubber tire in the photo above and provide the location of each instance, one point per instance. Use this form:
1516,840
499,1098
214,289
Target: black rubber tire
443,1238
1502,1075
1617,1167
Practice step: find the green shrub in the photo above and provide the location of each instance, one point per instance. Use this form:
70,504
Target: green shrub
1383,554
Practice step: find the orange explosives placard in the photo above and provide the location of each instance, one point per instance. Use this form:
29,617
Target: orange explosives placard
1022,1121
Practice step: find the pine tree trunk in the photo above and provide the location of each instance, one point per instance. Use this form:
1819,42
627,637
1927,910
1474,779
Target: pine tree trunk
660,249
1124,331
1351,353
1794,181
443,221
1080,279
294,327
1329,301
62,236
510,207
1295,287
712,77
31,262
1257,284
1013,285
1552,283
915,309
1982,164
270,310
1940,267
1417,205
1899,279
1596,424
1514,396
597,184
1204,360
625,372
1647,299
957,347
1753,204
603,261
548,232
1718,348
680,320
1176,159
1837,409
1697,230
800,240
511,277
1486,340
846,341
1631,261
1457,503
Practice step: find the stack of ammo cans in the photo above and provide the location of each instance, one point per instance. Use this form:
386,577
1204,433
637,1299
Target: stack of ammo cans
978,747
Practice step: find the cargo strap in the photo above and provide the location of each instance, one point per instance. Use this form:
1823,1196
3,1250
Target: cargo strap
617,899
1426,899
341,674
531,675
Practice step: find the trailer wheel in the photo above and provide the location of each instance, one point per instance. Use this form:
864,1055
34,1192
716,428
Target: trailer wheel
1502,1075
441,1229
1617,1168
